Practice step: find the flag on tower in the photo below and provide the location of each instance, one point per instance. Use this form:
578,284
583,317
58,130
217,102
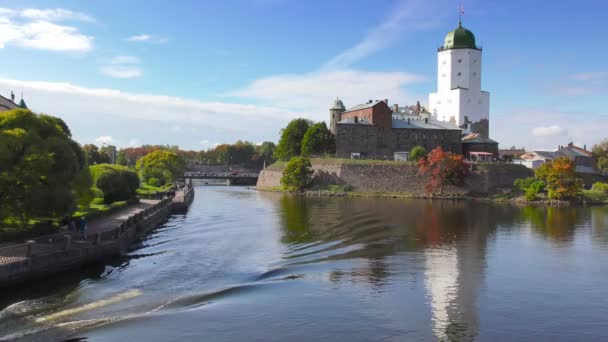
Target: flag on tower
461,8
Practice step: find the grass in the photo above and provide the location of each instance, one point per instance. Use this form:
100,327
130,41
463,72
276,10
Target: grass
98,209
145,189
595,197
280,165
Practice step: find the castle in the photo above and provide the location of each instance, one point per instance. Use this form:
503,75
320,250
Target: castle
457,119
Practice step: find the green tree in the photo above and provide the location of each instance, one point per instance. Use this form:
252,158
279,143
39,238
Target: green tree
290,144
600,153
161,164
559,177
121,158
43,172
318,140
117,182
416,153
264,154
94,156
297,174
109,153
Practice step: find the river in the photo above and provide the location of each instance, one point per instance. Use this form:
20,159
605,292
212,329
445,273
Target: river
243,265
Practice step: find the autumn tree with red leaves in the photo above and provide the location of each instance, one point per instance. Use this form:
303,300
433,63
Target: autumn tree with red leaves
443,168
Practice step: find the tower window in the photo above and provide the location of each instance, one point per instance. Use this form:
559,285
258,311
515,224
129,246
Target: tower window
443,75
459,74
460,61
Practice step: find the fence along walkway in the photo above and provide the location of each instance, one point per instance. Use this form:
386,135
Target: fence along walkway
98,230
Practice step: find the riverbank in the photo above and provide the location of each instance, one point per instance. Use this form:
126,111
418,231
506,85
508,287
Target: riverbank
105,237
392,179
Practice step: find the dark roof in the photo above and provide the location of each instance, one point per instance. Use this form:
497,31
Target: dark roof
363,106
510,152
22,104
575,151
419,122
6,104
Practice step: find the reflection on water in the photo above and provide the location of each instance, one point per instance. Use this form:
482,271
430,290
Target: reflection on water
244,265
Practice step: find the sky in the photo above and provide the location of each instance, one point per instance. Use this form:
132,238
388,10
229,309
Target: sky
200,73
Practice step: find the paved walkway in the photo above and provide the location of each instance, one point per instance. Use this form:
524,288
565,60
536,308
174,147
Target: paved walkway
112,221
17,251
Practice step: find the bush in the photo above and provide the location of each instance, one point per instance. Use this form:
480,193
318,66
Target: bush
154,182
600,187
297,174
530,187
443,168
118,183
416,153
560,178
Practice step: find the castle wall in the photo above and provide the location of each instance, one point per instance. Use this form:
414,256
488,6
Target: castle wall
381,143
485,179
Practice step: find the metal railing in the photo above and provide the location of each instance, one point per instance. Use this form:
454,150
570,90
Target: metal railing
49,244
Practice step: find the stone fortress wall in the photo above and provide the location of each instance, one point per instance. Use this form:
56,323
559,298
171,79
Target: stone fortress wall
486,179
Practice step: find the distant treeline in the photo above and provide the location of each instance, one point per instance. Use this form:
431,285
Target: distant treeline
242,153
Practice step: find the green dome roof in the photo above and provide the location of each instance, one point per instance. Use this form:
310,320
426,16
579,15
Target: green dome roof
460,38
337,105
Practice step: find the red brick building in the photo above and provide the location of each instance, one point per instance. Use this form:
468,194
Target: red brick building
376,113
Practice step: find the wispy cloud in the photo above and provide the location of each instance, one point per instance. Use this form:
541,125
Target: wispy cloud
312,93
105,139
40,29
123,67
408,17
580,84
546,128
146,38
545,131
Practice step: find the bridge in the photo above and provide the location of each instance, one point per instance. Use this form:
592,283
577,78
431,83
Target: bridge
231,177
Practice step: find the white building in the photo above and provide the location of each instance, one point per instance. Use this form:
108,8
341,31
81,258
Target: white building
459,98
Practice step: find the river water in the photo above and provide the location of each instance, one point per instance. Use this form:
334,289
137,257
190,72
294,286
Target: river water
243,265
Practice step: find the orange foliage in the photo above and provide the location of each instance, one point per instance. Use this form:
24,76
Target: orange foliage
560,178
443,168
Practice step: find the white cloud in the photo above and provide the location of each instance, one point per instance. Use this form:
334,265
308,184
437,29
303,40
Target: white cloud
313,93
547,128
91,111
176,128
408,17
139,38
106,139
142,38
590,76
123,67
37,29
544,131
206,144
55,14
133,142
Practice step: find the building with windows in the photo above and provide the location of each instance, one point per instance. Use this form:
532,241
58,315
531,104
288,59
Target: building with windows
8,104
457,119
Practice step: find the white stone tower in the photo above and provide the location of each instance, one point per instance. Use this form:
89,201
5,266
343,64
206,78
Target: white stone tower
459,98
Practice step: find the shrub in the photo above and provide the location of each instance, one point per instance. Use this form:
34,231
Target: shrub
443,168
531,187
154,182
117,182
163,165
560,179
416,153
600,187
297,174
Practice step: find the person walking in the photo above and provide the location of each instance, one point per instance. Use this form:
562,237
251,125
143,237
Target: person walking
82,224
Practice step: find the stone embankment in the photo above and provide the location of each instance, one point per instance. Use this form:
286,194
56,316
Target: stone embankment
51,254
394,177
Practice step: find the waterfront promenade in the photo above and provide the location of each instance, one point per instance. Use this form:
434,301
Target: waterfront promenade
47,243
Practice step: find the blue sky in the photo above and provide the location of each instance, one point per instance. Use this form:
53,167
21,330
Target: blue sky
199,73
